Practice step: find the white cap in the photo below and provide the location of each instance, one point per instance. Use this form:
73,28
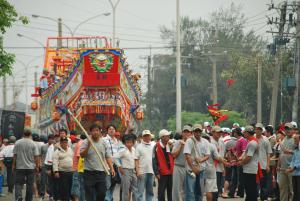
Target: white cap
146,132
206,124
164,132
294,124
236,124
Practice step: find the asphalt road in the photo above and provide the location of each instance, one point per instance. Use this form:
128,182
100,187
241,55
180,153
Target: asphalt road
10,197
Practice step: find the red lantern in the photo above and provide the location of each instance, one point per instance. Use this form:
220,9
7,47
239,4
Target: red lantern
55,116
34,105
139,115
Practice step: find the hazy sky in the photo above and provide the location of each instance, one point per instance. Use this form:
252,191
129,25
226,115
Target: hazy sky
137,25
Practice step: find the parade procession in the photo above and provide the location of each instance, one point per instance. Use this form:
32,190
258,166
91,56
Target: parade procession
117,100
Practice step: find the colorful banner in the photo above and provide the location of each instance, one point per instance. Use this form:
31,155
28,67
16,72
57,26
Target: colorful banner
70,89
54,127
12,123
127,88
101,69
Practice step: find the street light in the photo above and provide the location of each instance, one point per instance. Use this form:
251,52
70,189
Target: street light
114,8
72,32
32,39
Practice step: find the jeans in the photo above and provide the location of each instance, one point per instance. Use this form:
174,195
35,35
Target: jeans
241,188
145,183
250,187
23,175
94,185
194,187
110,189
129,184
264,186
10,176
165,183
65,184
77,189
43,182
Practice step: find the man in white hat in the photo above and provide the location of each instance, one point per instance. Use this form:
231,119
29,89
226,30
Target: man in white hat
179,168
285,158
196,152
219,144
264,159
163,164
144,169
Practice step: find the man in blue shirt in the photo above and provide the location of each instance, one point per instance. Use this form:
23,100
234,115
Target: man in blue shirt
294,168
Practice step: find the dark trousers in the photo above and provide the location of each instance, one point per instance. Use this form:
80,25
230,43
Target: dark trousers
24,176
241,188
250,187
296,187
56,191
10,176
94,185
264,186
65,184
220,182
43,182
165,183
232,179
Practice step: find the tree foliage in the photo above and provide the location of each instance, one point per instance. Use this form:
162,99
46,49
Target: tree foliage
8,16
238,52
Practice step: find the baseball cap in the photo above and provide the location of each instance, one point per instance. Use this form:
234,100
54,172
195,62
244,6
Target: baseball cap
146,132
226,130
216,129
236,124
205,124
197,127
164,132
249,129
259,125
288,125
187,128
294,124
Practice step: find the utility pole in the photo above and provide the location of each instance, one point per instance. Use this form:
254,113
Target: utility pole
178,68
278,63
296,92
214,80
259,92
4,92
149,97
59,42
114,9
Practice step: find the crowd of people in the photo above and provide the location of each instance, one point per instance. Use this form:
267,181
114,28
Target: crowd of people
200,162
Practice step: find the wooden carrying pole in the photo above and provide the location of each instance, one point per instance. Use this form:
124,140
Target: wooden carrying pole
103,163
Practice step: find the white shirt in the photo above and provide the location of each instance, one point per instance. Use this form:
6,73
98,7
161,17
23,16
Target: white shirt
126,157
143,153
49,155
7,151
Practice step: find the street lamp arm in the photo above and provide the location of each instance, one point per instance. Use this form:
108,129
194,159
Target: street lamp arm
114,5
81,23
32,39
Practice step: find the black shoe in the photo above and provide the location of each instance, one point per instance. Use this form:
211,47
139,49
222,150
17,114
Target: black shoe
19,199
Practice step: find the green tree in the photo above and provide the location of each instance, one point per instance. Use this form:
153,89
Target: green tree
8,16
224,32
